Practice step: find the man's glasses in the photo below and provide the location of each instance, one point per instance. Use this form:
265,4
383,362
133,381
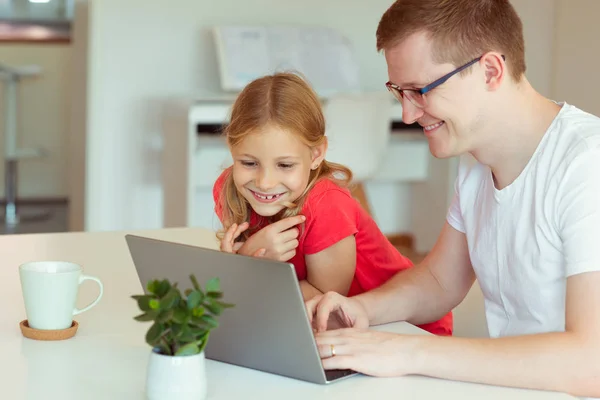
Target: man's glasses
416,96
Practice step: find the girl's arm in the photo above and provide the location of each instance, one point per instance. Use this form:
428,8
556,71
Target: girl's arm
308,290
331,269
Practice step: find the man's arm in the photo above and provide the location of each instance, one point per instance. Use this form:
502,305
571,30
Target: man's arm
427,291
561,361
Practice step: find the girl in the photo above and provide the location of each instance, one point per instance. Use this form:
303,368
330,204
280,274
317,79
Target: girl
282,200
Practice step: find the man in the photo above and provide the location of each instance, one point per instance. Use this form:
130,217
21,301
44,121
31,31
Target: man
525,220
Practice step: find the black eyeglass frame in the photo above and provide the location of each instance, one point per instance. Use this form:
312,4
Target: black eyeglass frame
392,87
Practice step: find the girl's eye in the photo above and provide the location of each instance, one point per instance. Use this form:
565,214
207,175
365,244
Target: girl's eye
286,166
248,163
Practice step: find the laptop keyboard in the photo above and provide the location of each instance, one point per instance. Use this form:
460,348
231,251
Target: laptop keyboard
333,374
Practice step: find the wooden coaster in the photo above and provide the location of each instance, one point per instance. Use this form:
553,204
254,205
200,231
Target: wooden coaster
41,334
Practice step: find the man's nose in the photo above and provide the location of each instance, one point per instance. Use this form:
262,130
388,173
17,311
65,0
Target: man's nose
410,112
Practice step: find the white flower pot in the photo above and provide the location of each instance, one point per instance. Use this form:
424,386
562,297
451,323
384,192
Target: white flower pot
176,377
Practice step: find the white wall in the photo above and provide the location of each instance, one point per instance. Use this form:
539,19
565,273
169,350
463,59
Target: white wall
577,54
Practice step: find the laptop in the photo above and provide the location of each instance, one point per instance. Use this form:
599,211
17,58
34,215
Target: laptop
267,330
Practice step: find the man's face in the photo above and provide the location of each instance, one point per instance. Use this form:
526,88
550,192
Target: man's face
452,114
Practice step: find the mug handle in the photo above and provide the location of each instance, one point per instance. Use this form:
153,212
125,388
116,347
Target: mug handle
93,303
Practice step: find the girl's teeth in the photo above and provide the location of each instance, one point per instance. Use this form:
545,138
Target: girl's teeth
269,197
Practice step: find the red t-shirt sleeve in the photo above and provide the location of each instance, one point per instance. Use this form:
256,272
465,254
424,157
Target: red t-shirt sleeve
218,191
330,217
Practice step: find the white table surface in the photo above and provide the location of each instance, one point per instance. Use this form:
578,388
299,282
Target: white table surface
107,358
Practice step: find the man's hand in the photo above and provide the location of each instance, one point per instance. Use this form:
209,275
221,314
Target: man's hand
369,352
347,312
279,240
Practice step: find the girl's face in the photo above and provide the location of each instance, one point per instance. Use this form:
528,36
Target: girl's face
272,167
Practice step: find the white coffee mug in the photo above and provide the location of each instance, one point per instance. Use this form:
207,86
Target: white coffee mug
50,292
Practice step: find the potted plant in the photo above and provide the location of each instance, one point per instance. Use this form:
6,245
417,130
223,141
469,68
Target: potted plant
178,336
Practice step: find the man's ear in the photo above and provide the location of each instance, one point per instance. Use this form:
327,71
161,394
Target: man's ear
495,70
318,154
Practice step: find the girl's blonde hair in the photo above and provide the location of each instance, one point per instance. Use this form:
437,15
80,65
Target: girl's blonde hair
286,101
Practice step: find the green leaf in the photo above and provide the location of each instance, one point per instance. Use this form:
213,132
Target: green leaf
194,282
210,320
194,299
186,335
171,299
147,316
188,350
215,295
143,302
154,333
213,307
213,285
176,329
203,340
187,292
180,315
165,316
198,311
152,286
163,349
225,305
163,288
154,304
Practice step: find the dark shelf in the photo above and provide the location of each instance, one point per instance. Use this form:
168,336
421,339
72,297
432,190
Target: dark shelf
398,127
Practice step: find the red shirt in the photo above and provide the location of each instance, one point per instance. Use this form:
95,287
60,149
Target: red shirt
332,214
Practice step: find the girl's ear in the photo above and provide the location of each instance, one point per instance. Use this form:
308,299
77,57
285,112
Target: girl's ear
318,154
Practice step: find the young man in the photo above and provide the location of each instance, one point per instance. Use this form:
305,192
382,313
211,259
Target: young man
525,220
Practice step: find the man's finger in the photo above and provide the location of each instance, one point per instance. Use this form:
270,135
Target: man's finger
333,350
287,223
339,336
311,306
339,362
323,310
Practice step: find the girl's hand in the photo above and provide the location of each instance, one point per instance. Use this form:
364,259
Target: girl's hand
278,240
228,243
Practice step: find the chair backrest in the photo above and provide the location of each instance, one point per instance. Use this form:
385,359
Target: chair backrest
358,130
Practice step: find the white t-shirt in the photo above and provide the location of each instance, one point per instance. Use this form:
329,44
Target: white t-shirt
526,239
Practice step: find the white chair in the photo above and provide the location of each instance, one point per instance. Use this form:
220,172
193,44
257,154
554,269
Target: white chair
11,76
358,131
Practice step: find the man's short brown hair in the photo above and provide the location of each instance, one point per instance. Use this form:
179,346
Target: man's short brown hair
461,30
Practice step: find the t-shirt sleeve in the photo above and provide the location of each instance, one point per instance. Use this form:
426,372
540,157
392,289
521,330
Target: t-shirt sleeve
217,193
454,215
331,217
578,211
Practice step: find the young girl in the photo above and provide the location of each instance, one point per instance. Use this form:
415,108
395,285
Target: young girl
282,200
